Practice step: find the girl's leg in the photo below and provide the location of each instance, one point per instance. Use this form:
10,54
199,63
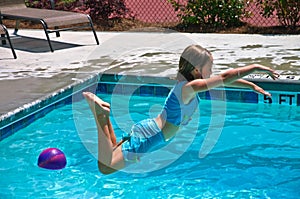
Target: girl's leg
112,133
109,160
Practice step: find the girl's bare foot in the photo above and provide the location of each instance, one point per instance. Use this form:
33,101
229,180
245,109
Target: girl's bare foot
98,106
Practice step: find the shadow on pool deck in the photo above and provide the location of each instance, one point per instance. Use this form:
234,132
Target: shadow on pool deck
38,72
37,45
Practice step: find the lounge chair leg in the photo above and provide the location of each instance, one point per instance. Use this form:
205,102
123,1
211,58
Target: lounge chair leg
11,46
47,35
93,29
3,41
9,41
49,42
17,27
57,33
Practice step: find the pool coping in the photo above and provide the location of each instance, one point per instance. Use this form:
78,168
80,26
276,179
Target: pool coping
286,90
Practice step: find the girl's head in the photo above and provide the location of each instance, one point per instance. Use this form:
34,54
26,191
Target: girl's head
195,62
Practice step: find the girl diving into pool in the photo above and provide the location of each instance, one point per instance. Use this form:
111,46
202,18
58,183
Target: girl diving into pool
194,76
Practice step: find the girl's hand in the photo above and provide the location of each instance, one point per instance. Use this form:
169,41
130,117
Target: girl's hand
273,74
260,90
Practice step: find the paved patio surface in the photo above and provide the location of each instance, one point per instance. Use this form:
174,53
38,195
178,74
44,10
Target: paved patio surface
38,72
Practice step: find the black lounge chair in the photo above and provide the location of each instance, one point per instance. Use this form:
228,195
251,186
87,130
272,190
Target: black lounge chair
4,32
51,20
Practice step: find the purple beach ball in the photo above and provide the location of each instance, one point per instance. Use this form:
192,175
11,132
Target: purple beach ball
52,158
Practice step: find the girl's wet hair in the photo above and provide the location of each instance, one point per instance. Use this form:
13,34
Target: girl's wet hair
191,57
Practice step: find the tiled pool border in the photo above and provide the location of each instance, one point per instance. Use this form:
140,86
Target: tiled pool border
284,92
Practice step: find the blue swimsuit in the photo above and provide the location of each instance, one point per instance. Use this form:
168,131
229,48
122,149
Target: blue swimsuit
146,135
174,110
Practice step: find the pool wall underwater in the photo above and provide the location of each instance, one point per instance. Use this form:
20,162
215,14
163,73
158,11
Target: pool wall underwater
284,93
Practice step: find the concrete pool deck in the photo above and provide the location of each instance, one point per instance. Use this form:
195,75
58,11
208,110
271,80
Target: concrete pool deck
38,72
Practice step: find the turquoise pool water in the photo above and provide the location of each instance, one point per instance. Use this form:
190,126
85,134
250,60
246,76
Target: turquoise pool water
256,156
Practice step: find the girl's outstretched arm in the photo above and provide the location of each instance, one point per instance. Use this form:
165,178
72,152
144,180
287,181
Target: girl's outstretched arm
241,83
230,76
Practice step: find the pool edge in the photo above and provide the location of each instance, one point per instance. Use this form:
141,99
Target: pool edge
16,119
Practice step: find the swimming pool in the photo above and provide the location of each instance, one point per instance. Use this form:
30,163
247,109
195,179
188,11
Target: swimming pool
257,154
